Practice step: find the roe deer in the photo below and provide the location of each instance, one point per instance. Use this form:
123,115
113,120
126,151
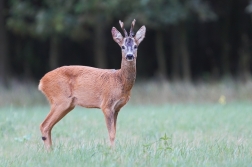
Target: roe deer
107,89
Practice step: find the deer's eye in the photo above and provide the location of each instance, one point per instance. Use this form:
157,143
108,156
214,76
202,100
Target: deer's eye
135,47
123,47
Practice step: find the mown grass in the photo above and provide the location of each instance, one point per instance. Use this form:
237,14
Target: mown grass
147,135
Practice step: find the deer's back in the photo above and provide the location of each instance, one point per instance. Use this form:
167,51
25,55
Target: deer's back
86,86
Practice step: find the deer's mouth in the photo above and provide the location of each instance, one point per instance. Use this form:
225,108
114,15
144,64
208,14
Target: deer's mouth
130,57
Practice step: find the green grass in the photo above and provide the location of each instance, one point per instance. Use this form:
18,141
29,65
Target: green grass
167,135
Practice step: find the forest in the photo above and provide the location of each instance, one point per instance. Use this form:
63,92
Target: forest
186,40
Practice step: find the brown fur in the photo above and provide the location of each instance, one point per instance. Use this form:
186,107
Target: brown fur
109,90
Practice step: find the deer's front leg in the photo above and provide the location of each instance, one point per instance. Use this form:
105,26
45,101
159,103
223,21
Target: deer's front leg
115,117
110,122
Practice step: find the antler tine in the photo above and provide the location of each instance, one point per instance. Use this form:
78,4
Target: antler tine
122,26
131,29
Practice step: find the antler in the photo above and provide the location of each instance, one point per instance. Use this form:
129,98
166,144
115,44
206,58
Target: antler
125,32
131,29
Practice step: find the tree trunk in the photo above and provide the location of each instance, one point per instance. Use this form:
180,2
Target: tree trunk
27,60
54,53
162,67
185,58
4,61
244,58
100,46
175,54
225,59
225,62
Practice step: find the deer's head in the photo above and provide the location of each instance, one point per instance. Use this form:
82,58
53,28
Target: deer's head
129,43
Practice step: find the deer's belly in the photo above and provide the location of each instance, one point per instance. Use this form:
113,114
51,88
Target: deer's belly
88,100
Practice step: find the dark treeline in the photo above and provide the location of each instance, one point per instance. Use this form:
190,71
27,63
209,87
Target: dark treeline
185,40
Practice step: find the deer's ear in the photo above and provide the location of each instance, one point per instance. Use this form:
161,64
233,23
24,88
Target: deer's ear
117,36
140,35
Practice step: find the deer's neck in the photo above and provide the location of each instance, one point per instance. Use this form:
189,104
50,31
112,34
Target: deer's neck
128,73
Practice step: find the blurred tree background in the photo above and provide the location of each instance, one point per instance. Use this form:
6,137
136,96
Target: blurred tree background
186,40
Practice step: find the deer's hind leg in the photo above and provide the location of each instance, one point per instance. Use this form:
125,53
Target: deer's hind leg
57,112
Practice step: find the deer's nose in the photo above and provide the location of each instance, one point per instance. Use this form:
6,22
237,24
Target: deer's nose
129,56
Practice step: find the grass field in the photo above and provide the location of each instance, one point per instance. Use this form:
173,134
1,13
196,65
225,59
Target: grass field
147,135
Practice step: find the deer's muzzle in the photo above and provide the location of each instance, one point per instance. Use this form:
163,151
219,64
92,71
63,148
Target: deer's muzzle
130,57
